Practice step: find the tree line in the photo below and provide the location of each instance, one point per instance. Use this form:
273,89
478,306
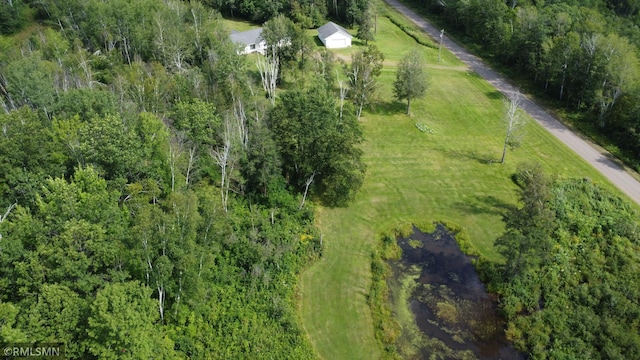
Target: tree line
583,55
569,283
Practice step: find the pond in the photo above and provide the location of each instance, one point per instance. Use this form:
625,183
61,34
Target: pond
442,306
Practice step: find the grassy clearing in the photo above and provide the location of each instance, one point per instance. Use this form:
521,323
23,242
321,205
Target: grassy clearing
415,177
238,25
395,44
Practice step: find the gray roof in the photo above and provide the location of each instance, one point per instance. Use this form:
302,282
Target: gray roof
253,36
331,28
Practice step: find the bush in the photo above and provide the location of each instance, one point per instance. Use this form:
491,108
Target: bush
12,17
412,32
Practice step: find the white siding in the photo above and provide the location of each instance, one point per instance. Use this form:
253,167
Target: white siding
337,41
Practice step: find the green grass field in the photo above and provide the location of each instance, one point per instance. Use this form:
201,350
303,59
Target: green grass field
416,177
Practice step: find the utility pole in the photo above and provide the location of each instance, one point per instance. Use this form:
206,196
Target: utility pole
440,45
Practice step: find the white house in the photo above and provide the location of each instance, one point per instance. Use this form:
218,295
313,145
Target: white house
334,36
251,40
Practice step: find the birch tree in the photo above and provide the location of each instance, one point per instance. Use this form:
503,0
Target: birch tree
176,147
228,153
620,70
269,66
363,72
513,121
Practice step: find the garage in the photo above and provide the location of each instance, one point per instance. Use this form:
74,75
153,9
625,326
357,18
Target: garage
334,36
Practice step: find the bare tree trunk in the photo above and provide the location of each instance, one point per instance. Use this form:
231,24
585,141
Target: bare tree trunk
179,295
564,71
145,246
606,103
175,151
86,69
190,164
197,21
513,120
504,148
161,296
223,158
6,213
241,122
361,81
306,189
269,67
343,95
3,91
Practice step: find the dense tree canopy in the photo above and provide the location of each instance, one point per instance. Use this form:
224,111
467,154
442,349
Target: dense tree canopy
316,143
146,209
569,285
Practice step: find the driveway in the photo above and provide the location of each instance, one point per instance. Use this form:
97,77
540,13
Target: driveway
598,158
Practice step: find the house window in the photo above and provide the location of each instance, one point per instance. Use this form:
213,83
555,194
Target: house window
252,47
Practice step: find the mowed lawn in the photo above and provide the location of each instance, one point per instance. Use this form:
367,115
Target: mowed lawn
417,177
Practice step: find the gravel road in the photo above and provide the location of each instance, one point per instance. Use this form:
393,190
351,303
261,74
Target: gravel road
599,158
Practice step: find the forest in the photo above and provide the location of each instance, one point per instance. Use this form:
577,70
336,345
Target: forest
152,193
569,284
580,55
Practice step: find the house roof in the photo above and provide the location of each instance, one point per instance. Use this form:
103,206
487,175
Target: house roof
249,37
331,28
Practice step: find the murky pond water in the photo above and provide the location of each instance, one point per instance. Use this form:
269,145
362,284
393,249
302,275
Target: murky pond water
437,287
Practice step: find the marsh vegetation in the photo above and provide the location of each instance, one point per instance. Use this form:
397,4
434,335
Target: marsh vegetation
440,303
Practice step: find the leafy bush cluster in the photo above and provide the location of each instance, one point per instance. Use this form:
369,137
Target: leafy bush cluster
13,16
410,30
386,328
569,285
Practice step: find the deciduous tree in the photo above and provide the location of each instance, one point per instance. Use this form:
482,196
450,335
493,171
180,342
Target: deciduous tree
362,73
366,25
121,324
411,78
513,122
529,227
319,150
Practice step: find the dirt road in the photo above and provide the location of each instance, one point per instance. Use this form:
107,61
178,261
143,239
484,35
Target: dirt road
598,158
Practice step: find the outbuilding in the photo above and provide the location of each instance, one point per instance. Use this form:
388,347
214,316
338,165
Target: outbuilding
334,36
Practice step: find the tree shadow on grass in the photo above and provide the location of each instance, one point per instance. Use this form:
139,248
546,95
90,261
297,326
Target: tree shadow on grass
485,204
474,74
482,158
389,108
494,95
